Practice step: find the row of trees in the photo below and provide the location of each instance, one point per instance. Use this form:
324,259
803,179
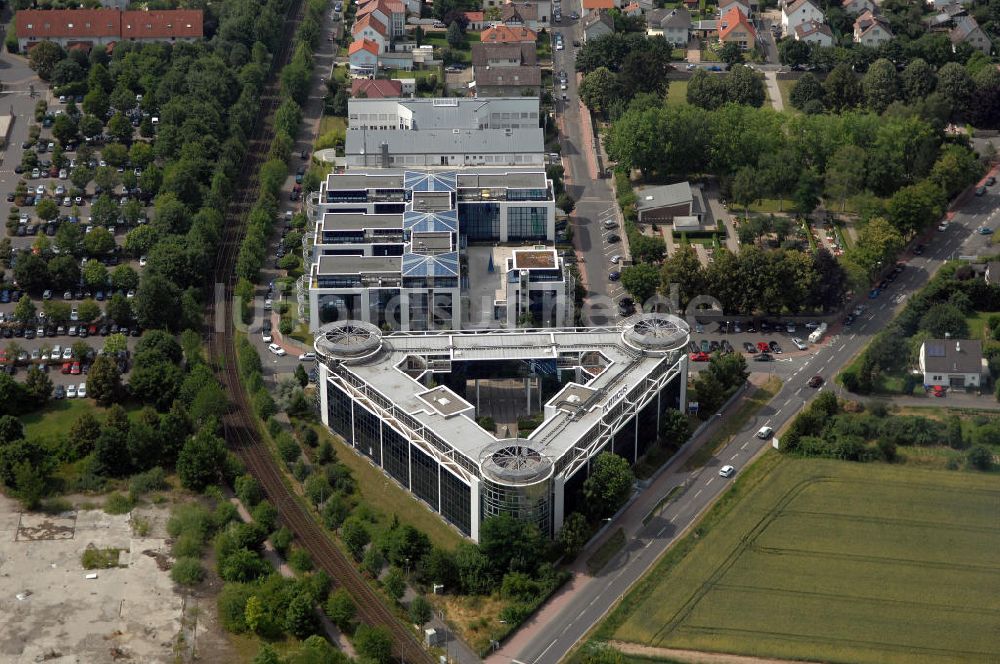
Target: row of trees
952,93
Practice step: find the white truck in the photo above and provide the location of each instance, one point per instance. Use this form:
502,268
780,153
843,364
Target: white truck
816,335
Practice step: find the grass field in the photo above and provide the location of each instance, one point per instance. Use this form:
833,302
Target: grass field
831,561
59,416
677,93
785,88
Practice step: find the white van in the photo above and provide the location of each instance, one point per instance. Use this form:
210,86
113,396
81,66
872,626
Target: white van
817,334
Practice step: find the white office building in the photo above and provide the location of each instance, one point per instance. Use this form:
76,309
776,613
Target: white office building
408,401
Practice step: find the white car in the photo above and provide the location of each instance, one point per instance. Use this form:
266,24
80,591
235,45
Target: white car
764,433
67,353
55,353
268,304
276,349
943,226
799,344
40,190
142,261
306,357
82,390
616,258
266,336
726,471
71,391
74,314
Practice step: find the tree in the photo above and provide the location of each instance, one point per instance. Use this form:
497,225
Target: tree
31,272
11,429
394,583
640,281
119,128
746,189
955,84
980,457
200,459
157,303
574,534
918,80
845,174
24,310
84,434
914,208
510,545
794,52
64,129
880,85
609,484
373,643
88,311
806,89
123,277
599,90
675,427
69,240
118,309
944,320
341,610
745,86
706,91
807,191
99,241
111,457
731,53
843,90
420,611
454,36
38,386
684,269
104,382
300,620
43,58
355,536
266,654
94,274
955,169
47,210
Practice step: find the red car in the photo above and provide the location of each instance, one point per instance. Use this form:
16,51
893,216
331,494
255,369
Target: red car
763,347
700,357
67,367
92,330
76,369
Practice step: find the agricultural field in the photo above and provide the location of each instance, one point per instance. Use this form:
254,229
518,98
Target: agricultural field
831,561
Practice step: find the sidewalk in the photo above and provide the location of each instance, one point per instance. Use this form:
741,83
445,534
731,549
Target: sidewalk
630,522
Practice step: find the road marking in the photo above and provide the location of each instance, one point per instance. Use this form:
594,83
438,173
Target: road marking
547,648
580,615
662,530
798,391
648,543
778,412
710,480
733,458
744,445
697,494
842,347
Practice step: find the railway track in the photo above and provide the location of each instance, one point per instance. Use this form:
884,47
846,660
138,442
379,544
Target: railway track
240,423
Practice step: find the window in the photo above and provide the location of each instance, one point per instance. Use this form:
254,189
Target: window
480,221
526,223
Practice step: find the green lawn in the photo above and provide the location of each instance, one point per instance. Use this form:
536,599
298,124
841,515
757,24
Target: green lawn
58,416
677,93
329,123
785,88
978,327
831,561
384,496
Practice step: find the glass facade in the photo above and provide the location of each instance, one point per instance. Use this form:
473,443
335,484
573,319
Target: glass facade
396,455
338,306
442,310
338,411
479,221
418,311
367,433
456,502
425,477
383,307
526,223
528,503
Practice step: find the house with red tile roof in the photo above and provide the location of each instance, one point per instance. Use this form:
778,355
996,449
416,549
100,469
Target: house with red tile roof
597,5
735,28
369,27
86,28
376,88
504,34
476,21
362,55
390,13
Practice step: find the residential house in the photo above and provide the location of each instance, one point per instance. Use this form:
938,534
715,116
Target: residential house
598,5
390,13
951,362
476,21
504,34
362,55
814,32
673,24
543,8
520,15
742,5
871,30
597,24
705,29
798,12
370,28
855,7
692,5
734,27
87,28
967,31
508,81
376,88
632,9
494,56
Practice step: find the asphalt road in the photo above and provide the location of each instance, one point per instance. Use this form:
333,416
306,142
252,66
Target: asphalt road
595,200
558,633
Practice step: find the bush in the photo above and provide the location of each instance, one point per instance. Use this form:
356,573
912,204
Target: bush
281,539
300,561
232,604
118,503
187,572
288,449
94,558
980,457
153,479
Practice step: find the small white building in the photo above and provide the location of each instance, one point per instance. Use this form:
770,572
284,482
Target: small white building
954,363
871,30
813,32
796,13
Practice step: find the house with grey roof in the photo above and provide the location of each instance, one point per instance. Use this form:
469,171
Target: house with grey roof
952,362
673,24
444,148
967,31
508,81
660,205
597,24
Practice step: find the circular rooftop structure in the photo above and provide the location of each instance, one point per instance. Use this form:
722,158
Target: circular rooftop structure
656,332
347,340
514,462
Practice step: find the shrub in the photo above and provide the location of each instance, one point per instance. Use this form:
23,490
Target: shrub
281,539
300,561
94,558
153,479
187,571
288,449
118,503
232,604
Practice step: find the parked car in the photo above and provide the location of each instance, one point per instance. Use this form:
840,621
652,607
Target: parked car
799,343
306,357
71,392
276,349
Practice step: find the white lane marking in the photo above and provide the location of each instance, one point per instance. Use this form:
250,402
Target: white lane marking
852,337
842,347
744,445
710,480
547,648
732,458
697,494
778,412
798,391
662,530
648,544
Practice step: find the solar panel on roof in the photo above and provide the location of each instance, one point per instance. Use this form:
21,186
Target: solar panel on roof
418,181
428,265
936,350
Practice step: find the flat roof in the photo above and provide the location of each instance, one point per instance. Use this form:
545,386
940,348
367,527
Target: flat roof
509,180
650,198
445,141
348,221
431,242
445,401
482,177
527,259
624,368
445,113
431,201
359,264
